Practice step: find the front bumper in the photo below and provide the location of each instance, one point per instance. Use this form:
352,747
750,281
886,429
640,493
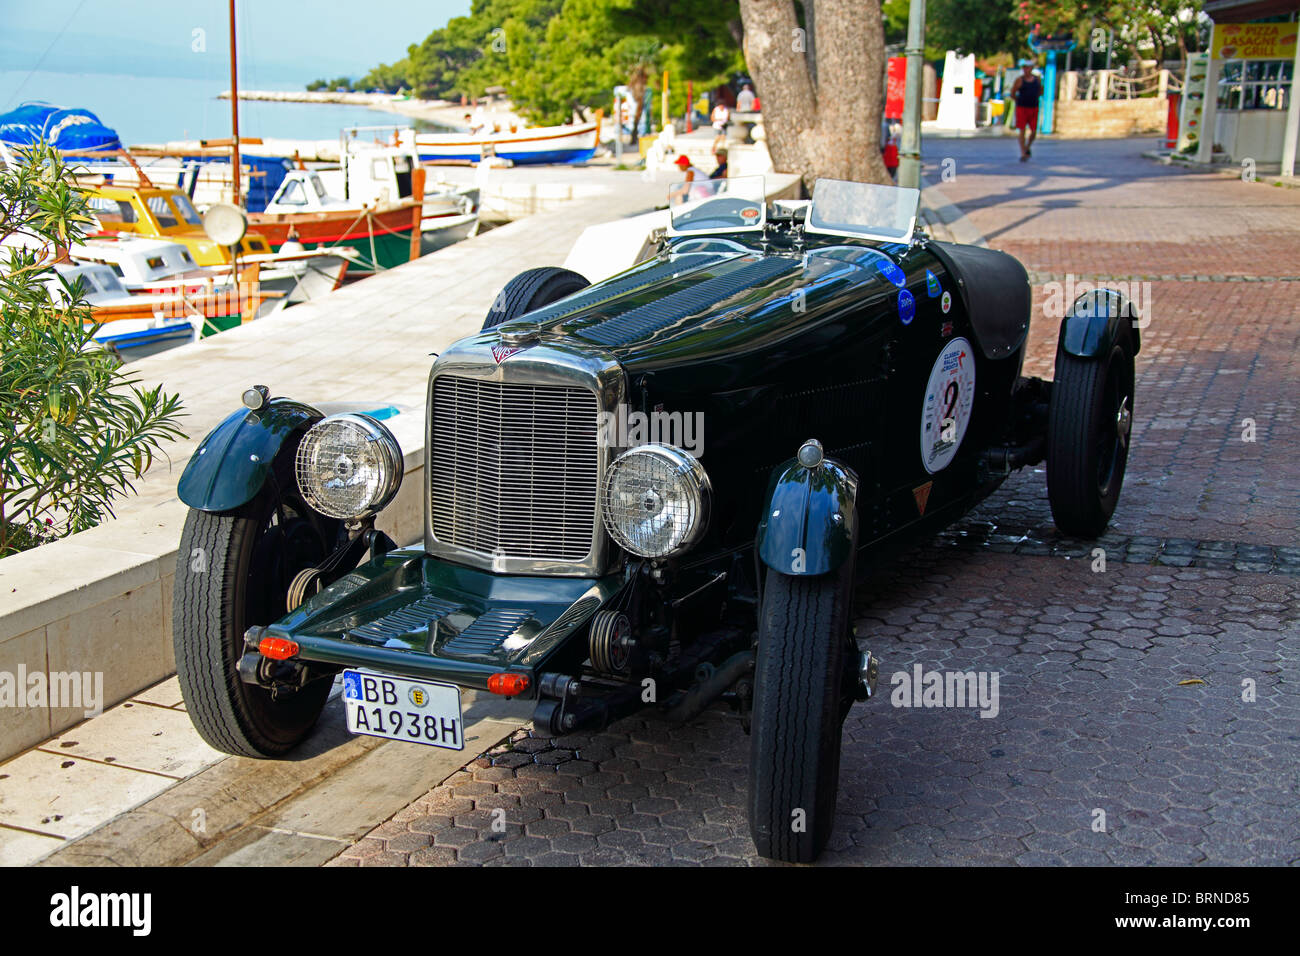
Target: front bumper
411,615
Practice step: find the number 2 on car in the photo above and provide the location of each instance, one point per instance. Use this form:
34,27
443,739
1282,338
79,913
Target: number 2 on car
399,708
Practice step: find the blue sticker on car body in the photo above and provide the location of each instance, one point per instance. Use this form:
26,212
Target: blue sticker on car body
932,287
906,307
891,272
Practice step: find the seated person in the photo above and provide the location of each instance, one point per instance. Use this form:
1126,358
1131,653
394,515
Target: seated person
721,172
683,191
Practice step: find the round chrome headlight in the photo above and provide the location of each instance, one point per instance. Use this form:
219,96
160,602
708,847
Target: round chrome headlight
348,466
656,500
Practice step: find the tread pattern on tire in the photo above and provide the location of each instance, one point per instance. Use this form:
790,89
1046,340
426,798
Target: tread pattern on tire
795,749
202,615
531,290
1074,415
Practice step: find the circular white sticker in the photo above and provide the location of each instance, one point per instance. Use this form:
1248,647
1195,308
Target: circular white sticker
949,398
946,302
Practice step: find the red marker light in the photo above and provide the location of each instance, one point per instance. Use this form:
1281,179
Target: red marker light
278,648
508,685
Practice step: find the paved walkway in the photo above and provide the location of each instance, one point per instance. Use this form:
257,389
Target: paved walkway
369,341
141,765
1123,735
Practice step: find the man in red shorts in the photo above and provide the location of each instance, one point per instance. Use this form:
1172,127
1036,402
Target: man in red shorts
1027,90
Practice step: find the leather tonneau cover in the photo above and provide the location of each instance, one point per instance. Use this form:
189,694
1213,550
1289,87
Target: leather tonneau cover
995,290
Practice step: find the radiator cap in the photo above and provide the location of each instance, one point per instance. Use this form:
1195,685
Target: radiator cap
520,333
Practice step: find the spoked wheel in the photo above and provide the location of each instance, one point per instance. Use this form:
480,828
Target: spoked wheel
803,688
234,572
1089,424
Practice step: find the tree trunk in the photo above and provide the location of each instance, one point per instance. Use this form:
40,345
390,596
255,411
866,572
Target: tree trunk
1159,44
832,129
637,81
737,31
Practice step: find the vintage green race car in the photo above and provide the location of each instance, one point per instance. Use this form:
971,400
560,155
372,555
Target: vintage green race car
651,492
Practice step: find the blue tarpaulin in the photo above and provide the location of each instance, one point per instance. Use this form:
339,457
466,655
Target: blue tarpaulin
258,190
65,129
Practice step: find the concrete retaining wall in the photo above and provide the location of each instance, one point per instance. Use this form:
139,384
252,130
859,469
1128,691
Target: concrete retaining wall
100,602
1106,119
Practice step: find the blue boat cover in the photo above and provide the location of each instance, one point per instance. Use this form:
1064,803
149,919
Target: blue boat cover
65,129
260,189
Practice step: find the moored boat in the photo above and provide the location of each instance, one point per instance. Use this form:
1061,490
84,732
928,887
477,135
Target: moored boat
380,236
137,325
161,267
524,147
161,212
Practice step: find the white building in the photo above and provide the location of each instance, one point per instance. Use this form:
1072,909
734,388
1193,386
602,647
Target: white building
1249,102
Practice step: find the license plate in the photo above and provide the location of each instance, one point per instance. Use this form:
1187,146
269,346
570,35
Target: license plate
417,711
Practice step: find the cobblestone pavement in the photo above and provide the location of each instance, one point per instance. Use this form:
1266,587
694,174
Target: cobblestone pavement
1121,735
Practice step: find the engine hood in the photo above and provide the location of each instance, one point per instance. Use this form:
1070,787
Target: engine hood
697,303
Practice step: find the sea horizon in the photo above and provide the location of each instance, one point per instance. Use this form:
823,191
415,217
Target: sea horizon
151,109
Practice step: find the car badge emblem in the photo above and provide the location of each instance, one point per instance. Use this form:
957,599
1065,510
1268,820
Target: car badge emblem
502,352
922,496
932,287
946,302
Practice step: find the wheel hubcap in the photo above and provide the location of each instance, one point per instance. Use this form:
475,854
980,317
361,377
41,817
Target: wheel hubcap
1123,422
868,672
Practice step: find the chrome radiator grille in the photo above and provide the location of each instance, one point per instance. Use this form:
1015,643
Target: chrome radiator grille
514,468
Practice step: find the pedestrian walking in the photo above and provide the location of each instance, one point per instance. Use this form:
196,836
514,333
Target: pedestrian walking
720,117
1027,90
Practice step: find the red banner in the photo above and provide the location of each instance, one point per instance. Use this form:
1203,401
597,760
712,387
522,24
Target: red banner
894,90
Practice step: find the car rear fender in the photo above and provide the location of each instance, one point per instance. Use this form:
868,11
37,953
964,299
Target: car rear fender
1095,321
807,525
233,462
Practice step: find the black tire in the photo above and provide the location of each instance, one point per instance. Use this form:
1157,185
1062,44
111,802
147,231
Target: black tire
801,695
232,572
531,290
1090,420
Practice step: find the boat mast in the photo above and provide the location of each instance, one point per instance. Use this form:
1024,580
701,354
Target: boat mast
234,111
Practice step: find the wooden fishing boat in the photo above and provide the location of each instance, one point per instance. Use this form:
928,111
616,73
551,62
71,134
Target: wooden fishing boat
161,212
371,173
159,267
137,325
380,235
524,147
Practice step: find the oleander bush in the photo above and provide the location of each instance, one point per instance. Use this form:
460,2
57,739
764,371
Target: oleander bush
75,430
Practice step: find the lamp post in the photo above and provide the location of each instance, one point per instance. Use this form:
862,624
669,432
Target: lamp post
909,153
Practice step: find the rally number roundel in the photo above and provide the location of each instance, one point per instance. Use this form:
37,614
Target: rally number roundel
949,398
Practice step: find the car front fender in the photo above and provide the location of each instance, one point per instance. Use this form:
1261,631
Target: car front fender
1094,322
808,522
232,463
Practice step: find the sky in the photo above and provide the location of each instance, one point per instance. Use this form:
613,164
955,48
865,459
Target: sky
282,43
